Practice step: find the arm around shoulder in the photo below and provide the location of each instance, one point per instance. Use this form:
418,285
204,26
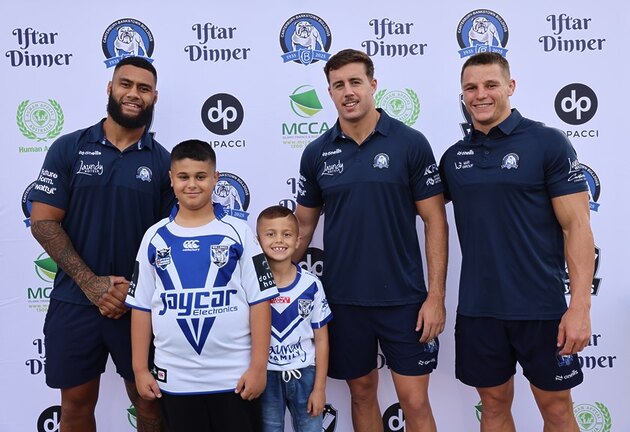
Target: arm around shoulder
307,217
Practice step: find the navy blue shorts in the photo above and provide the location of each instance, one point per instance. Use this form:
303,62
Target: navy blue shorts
357,331
487,350
78,341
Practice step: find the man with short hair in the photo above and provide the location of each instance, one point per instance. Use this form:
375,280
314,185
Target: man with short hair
521,208
99,189
373,175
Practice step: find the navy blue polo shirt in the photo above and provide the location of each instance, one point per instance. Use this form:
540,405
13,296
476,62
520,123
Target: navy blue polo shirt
501,185
110,198
369,192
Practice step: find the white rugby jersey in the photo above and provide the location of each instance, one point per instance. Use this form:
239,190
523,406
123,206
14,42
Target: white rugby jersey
300,308
198,283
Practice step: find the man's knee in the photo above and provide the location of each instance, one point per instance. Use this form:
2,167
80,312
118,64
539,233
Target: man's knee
363,389
148,414
556,408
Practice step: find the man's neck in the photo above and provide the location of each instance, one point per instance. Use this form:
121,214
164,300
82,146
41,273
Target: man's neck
119,136
283,272
359,131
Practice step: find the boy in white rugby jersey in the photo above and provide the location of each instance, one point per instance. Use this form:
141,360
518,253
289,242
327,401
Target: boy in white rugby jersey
298,355
202,287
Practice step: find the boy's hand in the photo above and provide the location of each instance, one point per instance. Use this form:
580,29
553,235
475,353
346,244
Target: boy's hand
316,402
252,383
147,386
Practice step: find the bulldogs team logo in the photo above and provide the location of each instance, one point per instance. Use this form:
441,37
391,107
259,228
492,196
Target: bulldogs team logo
402,105
482,30
233,194
330,418
27,205
305,38
510,161
163,258
144,174
219,254
381,161
39,120
564,360
431,346
594,186
124,38
305,307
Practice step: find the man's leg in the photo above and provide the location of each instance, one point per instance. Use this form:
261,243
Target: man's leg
556,408
366,414
77,407
148,415
496,414
413,395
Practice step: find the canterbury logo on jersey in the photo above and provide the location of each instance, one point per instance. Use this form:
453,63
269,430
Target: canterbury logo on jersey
191,245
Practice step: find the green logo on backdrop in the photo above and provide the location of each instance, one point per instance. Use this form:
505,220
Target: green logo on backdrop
46,268
403,106
304,101
593,418
131,416
40,121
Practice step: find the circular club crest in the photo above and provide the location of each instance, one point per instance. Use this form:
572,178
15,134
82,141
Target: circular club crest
126,37
593,418
40,120
45,267
403,106
26,204
233,194
482,30
594,186
305,38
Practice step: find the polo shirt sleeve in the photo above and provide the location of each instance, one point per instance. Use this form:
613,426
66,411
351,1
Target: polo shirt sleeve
143,282
53,182
321,312
256,277
563,172
424,176
444,178
309,192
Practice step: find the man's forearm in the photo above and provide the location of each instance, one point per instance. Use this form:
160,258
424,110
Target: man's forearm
436,248
55,241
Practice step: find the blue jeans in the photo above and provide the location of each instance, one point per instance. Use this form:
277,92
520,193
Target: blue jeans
293,394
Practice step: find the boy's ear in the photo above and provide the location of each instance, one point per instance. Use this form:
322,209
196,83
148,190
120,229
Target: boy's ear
170,177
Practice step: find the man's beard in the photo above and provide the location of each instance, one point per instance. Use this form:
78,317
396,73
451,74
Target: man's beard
114,109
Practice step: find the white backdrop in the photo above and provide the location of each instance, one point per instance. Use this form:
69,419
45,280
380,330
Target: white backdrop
54,77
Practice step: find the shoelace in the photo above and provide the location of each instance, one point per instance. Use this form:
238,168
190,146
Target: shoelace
293,373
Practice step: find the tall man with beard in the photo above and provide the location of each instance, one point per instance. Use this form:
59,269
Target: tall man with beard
99,189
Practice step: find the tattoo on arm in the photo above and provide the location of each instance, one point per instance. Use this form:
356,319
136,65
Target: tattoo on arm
57,244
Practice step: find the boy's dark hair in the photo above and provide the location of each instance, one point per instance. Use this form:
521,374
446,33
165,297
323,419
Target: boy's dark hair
139,62
194,149
275,212
348,56
486,58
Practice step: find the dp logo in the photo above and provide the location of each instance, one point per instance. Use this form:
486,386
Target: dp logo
222,114
48,420
394,419
576,104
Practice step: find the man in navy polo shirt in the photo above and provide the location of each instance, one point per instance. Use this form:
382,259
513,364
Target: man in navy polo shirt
373,175
521,203
99,189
